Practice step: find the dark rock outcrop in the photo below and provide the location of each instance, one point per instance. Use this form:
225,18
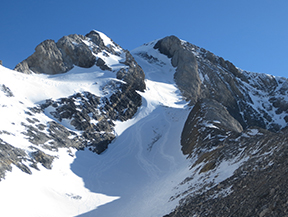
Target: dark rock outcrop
102,65
83,112
6,90
186,76
134,75
10,155
97,40
206,126
45,159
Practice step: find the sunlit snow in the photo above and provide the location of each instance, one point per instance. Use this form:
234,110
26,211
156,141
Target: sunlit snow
144,161
139,172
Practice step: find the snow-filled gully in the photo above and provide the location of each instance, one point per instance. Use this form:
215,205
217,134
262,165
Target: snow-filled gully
144,164
135,176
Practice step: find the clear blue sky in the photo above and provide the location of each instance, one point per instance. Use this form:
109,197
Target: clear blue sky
252,34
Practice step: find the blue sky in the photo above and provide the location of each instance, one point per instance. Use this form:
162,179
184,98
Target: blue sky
252,34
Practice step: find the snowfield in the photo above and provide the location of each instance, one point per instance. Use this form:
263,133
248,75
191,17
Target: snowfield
134,177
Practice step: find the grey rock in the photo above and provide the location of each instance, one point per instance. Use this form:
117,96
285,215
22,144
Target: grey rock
134,75
99,141
10,155
186,76
102,65
75,51
55,58
47,59
97,40
45,159
35,136
23,67
82,110
1,63
209,76
205,113
6,90
280,104
258,186
168,45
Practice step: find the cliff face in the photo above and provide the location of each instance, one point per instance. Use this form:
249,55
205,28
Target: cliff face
52,57
237,117
252,99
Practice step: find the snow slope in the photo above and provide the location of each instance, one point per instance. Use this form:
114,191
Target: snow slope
139,170
59,188
145,163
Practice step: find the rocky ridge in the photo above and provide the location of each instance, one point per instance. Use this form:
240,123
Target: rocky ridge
253,99
238,117
89,117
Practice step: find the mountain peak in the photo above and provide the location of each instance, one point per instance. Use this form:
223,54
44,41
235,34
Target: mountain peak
69,51
168,129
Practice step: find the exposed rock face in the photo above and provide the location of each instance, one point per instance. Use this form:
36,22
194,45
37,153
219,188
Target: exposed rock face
6,90
186,76
47,59
83,112
134,75
208,117
55,58
232,120
200,74
45,159
11,155
97,40
256,188
1,63
75,51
